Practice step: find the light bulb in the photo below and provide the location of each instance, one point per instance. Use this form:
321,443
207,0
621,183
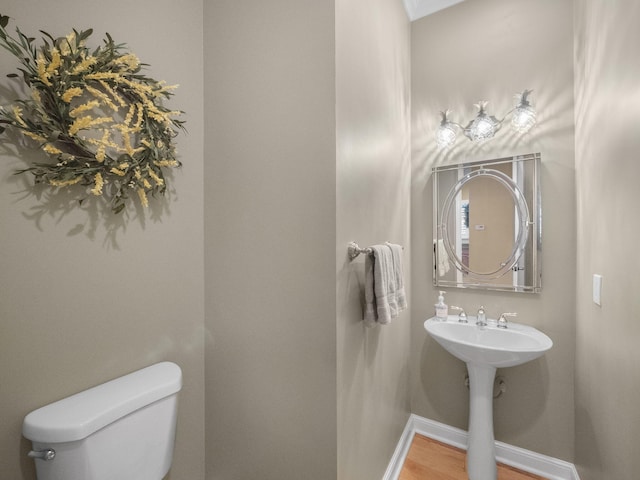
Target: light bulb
524,117
483,127
446,135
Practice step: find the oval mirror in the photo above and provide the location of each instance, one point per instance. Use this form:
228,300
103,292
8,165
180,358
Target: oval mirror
487,219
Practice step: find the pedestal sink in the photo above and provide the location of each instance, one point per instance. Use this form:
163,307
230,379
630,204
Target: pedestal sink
484,349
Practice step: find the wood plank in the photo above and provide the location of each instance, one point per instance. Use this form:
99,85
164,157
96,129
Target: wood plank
429,459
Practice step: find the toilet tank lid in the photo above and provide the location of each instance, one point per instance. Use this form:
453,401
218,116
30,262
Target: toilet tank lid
78,416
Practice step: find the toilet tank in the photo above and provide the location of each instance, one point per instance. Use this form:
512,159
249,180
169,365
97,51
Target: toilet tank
123,429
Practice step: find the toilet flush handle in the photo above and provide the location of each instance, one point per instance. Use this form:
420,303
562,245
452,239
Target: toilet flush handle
46,455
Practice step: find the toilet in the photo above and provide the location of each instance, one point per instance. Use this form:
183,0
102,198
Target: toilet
120,430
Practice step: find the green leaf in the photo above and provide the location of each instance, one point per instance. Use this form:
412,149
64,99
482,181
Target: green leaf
53,40
2,129
27,78
4,21
85,34
12,75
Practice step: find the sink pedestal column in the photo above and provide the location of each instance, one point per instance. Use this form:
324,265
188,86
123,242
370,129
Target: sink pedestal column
481,451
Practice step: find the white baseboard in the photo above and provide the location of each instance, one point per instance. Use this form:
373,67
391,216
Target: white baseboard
525,460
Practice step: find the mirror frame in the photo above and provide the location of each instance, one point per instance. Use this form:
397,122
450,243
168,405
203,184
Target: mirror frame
528,244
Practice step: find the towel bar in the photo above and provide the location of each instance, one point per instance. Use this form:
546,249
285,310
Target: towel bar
353,250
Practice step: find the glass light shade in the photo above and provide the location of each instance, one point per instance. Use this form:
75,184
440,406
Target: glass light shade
524,117
446,135
483,127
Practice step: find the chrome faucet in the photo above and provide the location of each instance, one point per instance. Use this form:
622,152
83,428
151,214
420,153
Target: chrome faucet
502,321
481,319
462,316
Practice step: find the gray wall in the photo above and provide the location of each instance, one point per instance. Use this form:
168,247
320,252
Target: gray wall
607,75
306,112
271,182
270,176
373,193
84,299
490,50
310,100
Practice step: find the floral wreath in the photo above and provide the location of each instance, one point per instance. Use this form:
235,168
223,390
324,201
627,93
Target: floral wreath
94,114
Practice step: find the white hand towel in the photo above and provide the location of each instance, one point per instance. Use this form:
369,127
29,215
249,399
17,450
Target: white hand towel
384,286
370,307
401,296
443,258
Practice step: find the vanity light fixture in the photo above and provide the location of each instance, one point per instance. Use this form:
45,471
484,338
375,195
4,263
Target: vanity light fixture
484,126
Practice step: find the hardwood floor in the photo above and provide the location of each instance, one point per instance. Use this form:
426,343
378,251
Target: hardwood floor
429,459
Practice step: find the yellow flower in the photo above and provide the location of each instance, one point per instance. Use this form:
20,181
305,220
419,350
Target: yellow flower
166,163
111,92
84,107
103,97
126,140
98,183
143,197
87,122
55,61
84,65
64,183
50,149
156,178
101,153
129,117
130,60
104,75
34,136
67,44
123,165
80,124
146,183
43,75
17,113
139,119
118,172
164,88
103,143
72,92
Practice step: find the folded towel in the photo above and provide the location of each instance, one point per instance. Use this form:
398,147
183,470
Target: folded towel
384,289
370,306
401,296
443,258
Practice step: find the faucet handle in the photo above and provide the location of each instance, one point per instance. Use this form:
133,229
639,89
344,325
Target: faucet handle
502,320
462,316
481,318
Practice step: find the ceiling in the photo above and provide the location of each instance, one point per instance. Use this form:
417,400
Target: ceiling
421,8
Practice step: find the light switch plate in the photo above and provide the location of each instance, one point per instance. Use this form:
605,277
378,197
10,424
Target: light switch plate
597,289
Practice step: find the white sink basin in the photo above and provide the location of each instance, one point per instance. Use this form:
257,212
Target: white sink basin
484,349
490,345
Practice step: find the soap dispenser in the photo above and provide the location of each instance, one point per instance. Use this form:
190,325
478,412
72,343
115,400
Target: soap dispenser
442,311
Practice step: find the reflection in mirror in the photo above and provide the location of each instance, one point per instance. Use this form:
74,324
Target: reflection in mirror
487,224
